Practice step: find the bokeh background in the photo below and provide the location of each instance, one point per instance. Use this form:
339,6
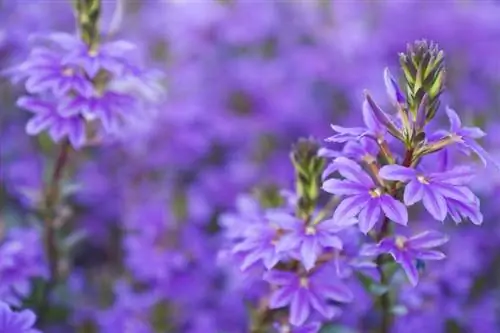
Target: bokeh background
239,82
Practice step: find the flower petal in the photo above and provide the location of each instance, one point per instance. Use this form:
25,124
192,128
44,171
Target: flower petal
426,240
394,209
430,255
343,187
350,207
435,204
281,297
414,192
299,308
409,267
369,216
397,172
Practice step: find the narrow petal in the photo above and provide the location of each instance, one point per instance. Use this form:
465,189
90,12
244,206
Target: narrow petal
299,308
456,176
319,304
336,291
430,255
397,172
459,193
370,250
288,242
309,252
409,267
332,225
352,171
328,240
38,123
427,240
392,88
282,219
281,297
369,216
472,132
250,259
481,153
435,204
455,123
343,187
350,207
394,209
371,121
280,278
414,192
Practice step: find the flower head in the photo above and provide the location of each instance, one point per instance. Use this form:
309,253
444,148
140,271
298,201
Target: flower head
363,197
16,322
406,251
306,294
434,189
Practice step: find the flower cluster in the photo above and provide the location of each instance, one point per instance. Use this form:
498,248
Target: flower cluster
79,91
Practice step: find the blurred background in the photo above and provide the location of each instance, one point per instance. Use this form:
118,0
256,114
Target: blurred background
238,83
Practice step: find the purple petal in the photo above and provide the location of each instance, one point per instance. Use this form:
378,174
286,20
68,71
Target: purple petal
394,209
369,216
472,132
281,297
352,171
481,153
250,259
332,225
456,176
309,252
319,304
455,123
430,255
299,308
336,291
397,172
435,204
392,88
459,193
350,207
371,121
288,242
327,240
283,220
427,240
382,117
409,267
38,123
280,278
414,192
343,187
370,250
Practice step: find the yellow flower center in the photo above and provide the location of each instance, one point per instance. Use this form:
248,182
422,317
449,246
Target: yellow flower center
68,72
400,242
304,282
422,179
310,230
375,193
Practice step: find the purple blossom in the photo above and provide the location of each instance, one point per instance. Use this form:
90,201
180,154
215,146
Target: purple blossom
406,251
434,189
466,137
16,322
110,56
43,71
363,197
309,240
306,294
47,118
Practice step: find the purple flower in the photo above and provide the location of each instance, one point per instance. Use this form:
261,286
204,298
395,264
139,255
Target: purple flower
374,128
110,56
309,240
259,245
306,294
16,322
466,138
48,119
363,197
434,188
110,108
406,251
392,88
44,71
